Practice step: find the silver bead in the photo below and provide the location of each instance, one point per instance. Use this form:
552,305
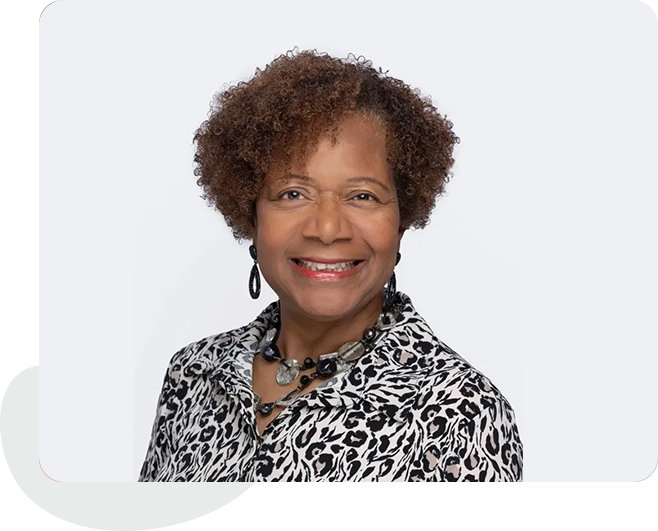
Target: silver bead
267,338
352,350
386,320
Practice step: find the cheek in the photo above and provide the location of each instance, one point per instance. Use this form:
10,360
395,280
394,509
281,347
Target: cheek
272,240
381,233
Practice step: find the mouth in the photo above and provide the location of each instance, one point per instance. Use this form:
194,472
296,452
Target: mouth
327,271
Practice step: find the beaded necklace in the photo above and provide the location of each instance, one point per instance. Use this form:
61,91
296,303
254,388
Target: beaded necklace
327,364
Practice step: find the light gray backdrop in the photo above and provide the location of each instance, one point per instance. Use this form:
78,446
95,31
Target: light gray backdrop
537,267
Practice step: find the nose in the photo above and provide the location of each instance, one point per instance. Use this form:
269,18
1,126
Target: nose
327,220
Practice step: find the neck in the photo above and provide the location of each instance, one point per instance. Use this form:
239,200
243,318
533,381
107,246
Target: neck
302,337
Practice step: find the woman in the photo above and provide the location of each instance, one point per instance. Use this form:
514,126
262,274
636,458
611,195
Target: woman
324,164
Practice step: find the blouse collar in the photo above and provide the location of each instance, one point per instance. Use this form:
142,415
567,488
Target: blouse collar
387,377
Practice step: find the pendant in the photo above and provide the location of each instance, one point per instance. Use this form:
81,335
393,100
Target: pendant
287,372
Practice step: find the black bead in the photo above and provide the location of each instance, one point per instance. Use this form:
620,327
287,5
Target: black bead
305,380
252,251
270,352
369,334
326,367
308,363
266,409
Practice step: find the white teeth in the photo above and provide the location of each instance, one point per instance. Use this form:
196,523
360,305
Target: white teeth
314,266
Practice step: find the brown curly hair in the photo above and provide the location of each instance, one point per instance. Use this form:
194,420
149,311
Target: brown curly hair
287,107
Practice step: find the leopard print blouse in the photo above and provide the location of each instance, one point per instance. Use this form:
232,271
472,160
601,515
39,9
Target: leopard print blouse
411,409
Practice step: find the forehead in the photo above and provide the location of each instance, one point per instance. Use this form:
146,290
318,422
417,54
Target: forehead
360,149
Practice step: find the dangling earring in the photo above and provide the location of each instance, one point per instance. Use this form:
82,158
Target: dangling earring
391,289
255,275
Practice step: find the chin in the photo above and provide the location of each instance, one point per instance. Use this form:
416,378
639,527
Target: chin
326,307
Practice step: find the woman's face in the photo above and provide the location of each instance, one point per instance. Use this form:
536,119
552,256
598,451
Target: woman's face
321,212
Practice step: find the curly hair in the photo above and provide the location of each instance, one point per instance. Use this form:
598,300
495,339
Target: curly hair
286,108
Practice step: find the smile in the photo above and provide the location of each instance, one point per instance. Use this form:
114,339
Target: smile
324,271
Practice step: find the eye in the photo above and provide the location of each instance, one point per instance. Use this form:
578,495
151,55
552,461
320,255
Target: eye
366,194
282,196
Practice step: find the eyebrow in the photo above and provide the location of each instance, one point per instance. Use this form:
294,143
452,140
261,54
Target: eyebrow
306,178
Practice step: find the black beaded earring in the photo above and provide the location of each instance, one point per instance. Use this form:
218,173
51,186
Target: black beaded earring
255,275
391,288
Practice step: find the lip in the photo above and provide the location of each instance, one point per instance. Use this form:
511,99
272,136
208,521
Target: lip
327,276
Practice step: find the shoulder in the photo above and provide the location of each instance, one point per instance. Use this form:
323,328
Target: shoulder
201,356
454,378
452,393
209,353
470,427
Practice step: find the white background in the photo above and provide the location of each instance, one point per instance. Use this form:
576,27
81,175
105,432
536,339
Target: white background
535,267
